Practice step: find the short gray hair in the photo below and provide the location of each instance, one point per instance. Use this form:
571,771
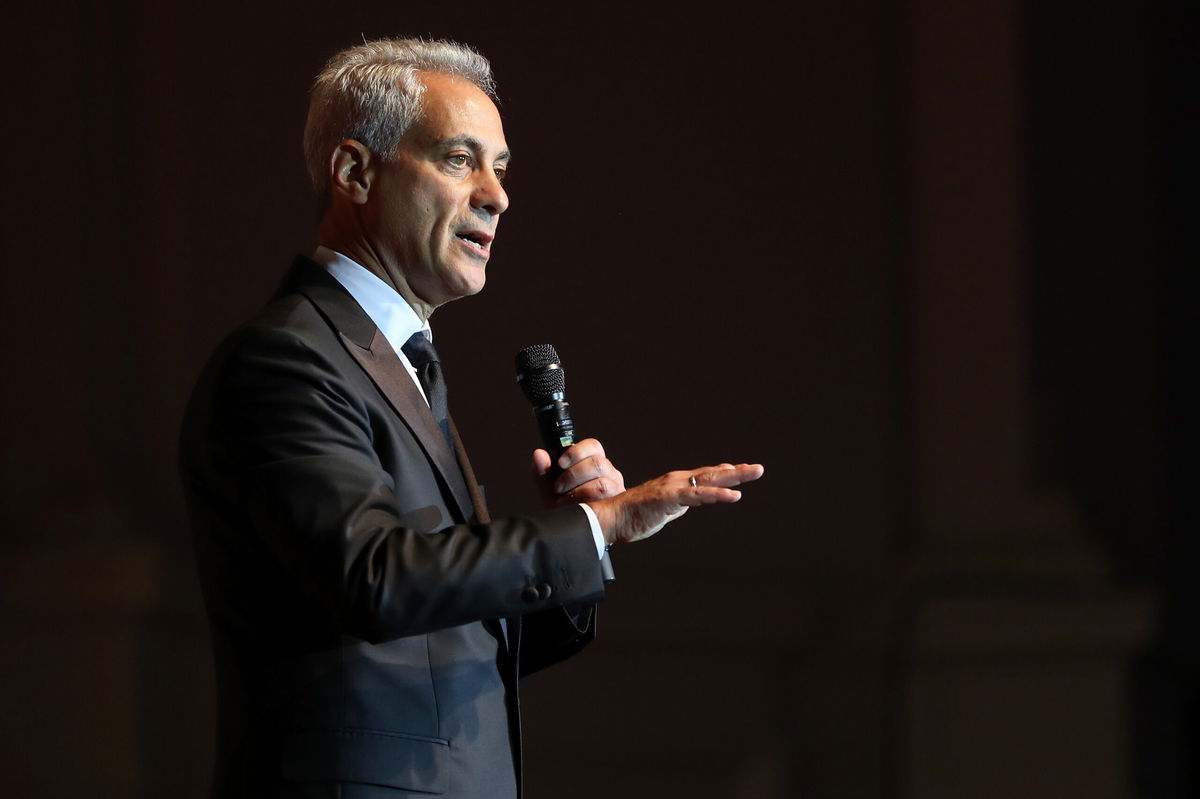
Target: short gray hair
371,93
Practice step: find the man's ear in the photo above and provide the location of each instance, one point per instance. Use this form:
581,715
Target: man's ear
352,170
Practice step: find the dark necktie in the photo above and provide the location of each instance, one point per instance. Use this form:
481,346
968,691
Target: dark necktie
424,358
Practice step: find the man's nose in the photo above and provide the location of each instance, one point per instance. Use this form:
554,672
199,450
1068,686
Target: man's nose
489,194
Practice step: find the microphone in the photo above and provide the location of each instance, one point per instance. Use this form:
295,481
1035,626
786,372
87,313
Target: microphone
541,377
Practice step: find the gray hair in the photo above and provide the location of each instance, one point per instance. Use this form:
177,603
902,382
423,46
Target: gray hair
371,93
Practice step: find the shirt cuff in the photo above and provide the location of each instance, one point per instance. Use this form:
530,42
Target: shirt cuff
597,533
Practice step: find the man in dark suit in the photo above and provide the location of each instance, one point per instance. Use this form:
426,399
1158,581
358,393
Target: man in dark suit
370,622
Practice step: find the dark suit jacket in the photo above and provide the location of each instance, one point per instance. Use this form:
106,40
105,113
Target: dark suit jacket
354,582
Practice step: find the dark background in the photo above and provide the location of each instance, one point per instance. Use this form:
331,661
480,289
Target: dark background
930,262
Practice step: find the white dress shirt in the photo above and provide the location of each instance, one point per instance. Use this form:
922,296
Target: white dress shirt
396,319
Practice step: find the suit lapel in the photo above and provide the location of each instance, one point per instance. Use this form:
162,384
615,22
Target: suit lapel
382,365
367,345
481,512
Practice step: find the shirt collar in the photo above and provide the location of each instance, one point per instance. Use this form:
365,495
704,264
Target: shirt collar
394,317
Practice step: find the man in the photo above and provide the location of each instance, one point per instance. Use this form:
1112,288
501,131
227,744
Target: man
370,622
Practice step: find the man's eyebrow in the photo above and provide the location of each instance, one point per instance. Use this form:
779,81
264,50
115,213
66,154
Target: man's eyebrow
472,143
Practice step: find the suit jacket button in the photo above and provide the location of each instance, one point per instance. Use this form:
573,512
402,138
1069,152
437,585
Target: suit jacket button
544,591
530,593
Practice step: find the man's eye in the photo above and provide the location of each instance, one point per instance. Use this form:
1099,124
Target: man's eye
501,174
460,160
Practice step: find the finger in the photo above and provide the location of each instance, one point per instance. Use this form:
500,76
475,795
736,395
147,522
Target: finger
593,468
580,451
600,488
708,495
591,481
541,462
726,475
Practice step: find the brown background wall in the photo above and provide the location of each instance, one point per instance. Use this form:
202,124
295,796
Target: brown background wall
924,259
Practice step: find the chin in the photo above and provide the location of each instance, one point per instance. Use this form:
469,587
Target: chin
469,285
453,293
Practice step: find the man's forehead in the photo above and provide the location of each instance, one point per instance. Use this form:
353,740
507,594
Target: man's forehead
454,90
456,111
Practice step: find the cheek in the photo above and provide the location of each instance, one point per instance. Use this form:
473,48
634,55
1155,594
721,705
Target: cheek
446,204
431,212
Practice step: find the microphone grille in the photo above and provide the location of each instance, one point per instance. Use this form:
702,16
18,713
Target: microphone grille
540,373
537,357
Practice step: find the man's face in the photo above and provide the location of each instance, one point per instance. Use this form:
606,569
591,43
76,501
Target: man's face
436,203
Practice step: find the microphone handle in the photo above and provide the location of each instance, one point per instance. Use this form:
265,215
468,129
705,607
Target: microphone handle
558,432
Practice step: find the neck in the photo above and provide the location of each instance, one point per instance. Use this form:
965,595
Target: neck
363,252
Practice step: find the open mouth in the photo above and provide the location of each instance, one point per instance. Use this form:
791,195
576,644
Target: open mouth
476,239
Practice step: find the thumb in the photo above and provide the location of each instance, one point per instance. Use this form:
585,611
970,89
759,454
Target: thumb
541,462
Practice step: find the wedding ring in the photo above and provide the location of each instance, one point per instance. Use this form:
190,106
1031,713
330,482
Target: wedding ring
692,480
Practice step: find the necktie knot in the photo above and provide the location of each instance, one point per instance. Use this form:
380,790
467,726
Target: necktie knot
419,350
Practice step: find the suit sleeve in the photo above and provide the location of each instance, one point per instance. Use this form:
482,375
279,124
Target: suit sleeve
289,449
